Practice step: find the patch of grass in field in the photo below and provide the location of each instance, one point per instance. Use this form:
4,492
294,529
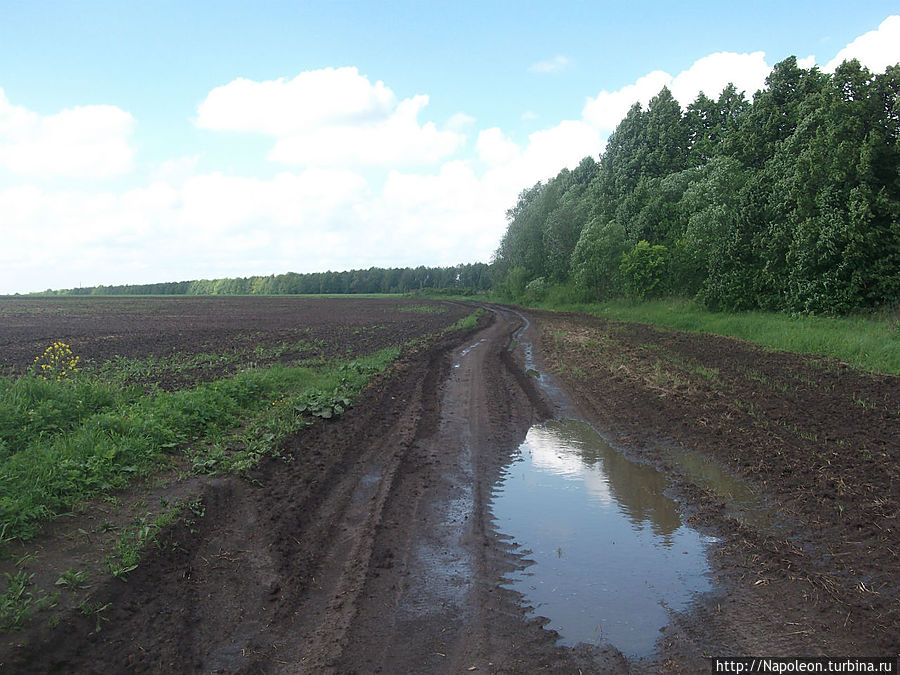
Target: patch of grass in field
466,322
869,343
126,553
422,309
63,442
121,370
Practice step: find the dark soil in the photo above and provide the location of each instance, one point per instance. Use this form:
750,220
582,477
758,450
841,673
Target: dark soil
373,548
99,329
814,437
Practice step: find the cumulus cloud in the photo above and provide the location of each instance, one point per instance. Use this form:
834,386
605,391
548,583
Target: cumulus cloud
494,147
322,213
316,98
607,109
398,139
554,65
331,117
876,50
709,74
212,224
89,141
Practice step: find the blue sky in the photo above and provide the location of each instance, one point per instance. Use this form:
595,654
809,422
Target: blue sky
162,141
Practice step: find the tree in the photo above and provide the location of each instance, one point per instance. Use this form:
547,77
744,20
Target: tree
596,259
643,270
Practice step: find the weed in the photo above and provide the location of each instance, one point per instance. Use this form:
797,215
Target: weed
197,508
871,343
75,440
56,363
72,579
96,610
16,601
711,374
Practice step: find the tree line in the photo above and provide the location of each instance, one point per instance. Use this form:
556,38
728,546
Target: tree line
789,202
460,279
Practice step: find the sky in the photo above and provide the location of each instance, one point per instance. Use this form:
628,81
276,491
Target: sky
168,141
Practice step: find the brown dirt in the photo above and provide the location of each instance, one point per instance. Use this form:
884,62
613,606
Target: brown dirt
816,439
99,329
373,548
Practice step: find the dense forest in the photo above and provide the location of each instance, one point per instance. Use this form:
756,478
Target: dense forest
790,202
460,279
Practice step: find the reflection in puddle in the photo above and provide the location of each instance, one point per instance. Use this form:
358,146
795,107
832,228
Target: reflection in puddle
611,555
465,352
740,500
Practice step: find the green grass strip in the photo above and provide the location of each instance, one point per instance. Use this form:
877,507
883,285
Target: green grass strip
67,441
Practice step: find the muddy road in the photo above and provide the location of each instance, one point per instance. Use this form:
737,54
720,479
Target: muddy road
375,548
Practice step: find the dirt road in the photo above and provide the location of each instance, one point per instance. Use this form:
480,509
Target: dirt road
370,551
373,549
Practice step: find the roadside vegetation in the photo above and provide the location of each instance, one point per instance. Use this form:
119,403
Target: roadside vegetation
65,440
70,431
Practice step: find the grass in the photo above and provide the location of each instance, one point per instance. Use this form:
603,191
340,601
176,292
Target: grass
128,547
868,343
63,442
16,602
466,322
422,309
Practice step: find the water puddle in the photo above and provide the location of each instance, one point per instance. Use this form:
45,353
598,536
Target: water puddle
465,352
741,502
612,556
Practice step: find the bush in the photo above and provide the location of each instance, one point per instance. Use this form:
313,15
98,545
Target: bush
536,289
644,270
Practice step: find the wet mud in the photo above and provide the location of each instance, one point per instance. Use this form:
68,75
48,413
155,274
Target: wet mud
385,545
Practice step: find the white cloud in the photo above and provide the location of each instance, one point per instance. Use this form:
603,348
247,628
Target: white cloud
313,99
607,109
332,117
90,141
494,147
460,123
399,139
554,65
212,225
322,213
709,74
176,171
808,62
876,50
221,204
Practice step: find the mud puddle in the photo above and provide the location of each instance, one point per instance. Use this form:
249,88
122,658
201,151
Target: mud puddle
741,502
612,557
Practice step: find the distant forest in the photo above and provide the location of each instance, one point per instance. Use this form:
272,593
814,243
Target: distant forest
790,202
461,279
